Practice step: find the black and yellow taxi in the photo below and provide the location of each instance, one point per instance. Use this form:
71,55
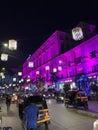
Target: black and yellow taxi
40,101
76,98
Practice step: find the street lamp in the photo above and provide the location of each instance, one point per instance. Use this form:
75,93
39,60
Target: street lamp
54,70
77,33
30,64
37,72
60,62
14,79
47,67
4,57
19,73
59,68
12,45
1,74
5,45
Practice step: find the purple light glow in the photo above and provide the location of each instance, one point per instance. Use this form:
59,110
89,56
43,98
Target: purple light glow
76,61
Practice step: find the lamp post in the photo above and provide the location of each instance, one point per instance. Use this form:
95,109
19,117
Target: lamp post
11,45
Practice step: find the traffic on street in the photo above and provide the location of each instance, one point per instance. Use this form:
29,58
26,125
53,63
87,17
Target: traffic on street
48,73
61,118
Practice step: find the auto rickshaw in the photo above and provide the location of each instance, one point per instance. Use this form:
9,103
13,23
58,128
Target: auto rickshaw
76,98
59,97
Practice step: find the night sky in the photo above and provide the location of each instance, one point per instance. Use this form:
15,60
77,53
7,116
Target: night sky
32,23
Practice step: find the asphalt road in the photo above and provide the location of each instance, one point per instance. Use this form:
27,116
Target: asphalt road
61,118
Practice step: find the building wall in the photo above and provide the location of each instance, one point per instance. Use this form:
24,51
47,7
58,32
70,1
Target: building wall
48,51
81,59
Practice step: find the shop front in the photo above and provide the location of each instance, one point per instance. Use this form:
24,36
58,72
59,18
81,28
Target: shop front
93,83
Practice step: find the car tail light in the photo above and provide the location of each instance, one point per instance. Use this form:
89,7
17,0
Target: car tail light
47,114
84,99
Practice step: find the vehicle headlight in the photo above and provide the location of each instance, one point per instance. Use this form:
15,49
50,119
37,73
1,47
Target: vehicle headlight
62,98
44,95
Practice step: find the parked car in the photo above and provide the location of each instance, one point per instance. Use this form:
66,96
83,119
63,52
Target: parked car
76,98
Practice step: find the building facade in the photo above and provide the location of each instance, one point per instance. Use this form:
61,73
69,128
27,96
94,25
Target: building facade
49,65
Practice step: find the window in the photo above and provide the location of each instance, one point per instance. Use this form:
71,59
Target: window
68,63
61,37
95,68
93,54
71,74
78,60
39,61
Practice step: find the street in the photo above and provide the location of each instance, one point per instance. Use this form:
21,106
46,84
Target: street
66,119
61,118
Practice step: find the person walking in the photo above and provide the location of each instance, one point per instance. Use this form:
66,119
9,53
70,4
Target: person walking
20,106
31,115
8,102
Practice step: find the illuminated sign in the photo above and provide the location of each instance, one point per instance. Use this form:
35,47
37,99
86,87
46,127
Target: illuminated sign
77,33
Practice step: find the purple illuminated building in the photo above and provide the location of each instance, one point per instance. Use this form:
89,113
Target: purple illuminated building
60,58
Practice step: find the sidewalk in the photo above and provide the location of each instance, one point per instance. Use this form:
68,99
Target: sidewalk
92,110
11,118
93,106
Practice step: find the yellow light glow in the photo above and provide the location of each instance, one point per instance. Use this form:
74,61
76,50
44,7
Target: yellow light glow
4,57
12,44
3,76
19,73
14,79
5,45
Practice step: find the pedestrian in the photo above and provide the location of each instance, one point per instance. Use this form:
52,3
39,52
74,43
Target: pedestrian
8,102
31,114
20,107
